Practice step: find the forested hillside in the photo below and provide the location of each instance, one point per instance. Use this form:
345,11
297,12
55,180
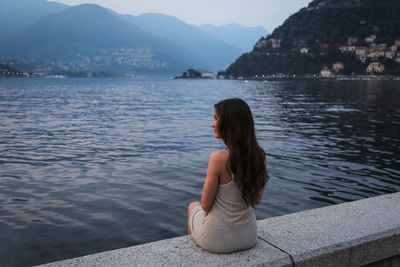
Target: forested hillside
342,36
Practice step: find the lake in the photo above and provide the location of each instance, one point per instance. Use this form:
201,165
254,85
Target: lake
89,165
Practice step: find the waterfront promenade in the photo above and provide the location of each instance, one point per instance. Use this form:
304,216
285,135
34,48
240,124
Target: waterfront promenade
349,234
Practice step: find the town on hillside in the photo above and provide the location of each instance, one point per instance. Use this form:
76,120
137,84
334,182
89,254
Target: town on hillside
373,53
329,38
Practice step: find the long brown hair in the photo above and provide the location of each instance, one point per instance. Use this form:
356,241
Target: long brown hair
246,157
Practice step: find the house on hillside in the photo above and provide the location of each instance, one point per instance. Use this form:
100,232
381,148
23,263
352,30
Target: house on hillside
361,51
390,54
375,67
373,54
276,43
347,48
321,4
323,46
370,39
382,47
337,67
343,48
352,40
302,43
261,43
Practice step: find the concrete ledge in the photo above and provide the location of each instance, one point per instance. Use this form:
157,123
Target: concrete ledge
349,234
181,251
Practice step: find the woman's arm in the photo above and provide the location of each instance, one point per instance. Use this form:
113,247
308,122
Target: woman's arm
260,195
261,192
212,180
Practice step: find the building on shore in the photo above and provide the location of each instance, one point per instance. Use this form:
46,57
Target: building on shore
375,67
326,73
207,74
304,50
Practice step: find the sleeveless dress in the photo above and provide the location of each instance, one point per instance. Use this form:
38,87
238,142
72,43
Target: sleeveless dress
229,226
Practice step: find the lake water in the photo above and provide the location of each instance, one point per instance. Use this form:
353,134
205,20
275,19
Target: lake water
88,165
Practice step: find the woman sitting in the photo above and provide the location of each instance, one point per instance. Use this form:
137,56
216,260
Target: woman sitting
224,220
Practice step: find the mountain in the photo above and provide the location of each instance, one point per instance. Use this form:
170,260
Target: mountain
90,36
48,35
235,34
361,36
211,52
18,15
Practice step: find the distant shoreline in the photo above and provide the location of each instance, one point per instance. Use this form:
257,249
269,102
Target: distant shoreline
267,78
363,78
194,78
290,78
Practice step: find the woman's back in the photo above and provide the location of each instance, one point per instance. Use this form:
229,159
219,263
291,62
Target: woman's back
228,202
229,205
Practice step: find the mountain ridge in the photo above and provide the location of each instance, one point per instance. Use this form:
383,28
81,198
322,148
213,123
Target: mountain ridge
206,48
91,37
86,32
16,16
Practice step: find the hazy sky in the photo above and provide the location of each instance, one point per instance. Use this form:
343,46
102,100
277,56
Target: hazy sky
266,13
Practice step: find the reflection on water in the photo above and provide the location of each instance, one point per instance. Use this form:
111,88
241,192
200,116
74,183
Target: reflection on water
88,165
336,141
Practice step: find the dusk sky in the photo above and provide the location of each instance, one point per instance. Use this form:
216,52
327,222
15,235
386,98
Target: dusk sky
266,13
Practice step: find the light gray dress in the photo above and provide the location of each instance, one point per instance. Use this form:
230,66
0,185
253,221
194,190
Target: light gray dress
229,226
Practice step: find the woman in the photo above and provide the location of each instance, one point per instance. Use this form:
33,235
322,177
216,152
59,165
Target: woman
224,220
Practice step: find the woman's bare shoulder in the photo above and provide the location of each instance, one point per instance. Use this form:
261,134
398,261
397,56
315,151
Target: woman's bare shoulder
219,156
